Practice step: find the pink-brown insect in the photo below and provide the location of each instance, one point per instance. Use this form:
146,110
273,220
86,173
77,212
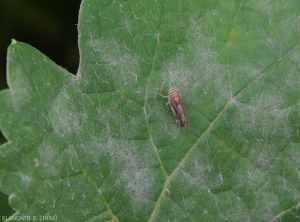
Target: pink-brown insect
176,106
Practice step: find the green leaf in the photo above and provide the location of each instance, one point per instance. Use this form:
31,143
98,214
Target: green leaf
101,145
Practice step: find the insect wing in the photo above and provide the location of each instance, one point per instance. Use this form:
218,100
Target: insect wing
180,116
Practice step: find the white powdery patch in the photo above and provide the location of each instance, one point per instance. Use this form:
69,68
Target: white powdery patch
19,98
268,7
195,26
138,184
266,122
176,72
119,60
268,102
25,180
199,169
49,160
248,70
133,163
265,6
63,115
209,74
263,116
199,77
266,202
92,149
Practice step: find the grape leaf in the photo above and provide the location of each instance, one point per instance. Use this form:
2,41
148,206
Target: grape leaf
102,146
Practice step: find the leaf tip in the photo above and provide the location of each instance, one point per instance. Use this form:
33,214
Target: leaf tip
13,41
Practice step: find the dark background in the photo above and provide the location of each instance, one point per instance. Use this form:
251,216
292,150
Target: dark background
49,26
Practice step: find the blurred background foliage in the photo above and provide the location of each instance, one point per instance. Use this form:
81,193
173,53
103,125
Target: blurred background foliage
49,26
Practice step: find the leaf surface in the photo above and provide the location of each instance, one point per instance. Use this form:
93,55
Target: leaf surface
101,145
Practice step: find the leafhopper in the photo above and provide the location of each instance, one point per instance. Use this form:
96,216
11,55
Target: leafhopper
174,101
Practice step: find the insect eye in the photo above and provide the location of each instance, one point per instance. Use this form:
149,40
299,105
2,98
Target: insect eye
183,124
